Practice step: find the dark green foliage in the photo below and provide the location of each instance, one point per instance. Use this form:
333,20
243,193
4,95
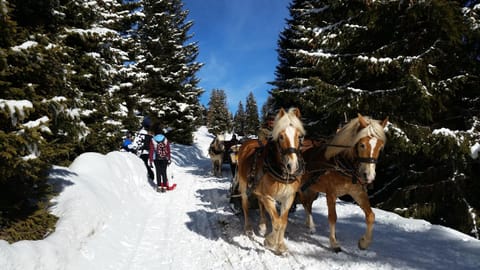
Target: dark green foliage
171,85
32,225
418,64
218,117
70,82
239,120
252,121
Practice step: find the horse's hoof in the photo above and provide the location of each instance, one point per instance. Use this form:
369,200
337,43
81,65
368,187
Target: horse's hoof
276,249
337,249
262,229
250,234
268,243
363,244
281,249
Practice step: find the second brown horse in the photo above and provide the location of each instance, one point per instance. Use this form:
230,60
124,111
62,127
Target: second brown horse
345,165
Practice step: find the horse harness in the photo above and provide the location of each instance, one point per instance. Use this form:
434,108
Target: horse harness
344,166
214,150
278,171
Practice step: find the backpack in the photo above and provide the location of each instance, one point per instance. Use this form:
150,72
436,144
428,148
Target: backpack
145,141
161,150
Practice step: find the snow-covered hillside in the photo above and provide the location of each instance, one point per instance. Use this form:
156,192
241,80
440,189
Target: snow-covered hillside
111,218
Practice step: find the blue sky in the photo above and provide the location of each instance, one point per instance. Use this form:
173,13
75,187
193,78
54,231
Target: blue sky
237,42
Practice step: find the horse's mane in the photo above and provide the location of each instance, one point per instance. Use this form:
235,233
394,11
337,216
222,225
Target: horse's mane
287,119
349,135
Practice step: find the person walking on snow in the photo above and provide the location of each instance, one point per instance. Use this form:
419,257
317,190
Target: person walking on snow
159,154
142,145
265,132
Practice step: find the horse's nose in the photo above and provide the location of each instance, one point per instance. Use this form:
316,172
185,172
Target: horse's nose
369,174
292,166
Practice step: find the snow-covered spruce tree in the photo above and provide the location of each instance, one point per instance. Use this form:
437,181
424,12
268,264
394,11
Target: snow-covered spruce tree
95,59
239,120
414,61
121,49
252,122
218,116
170,91
38,128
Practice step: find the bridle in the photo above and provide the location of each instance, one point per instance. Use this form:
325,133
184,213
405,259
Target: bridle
280,172
351,168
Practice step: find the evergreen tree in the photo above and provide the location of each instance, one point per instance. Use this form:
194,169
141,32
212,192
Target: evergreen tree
120,49
71,78
39,127
268,108
171,85
252,122
218,116
239,120
414,61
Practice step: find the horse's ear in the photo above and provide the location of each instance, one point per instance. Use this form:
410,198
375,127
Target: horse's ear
281,113
384,122
362,121
296,111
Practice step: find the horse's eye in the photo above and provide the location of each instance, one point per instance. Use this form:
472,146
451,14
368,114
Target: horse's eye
362,146
280,137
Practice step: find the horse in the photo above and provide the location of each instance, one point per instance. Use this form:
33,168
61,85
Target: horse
233,153
272,173
216,152
235,200
345,165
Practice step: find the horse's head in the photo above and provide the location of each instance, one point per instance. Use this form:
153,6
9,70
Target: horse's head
361,141
370,141
288,133
220,143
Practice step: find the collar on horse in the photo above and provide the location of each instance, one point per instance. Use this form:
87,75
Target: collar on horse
341,164
214,150
278,169
266,152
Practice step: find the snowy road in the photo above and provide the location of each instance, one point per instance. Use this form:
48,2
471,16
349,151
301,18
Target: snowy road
111,218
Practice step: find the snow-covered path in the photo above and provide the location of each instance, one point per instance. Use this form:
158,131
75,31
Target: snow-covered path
111,218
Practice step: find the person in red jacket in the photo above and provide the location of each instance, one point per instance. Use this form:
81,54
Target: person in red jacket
160,155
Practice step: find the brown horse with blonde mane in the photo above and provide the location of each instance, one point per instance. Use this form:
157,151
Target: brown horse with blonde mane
216,152
345,165
272,173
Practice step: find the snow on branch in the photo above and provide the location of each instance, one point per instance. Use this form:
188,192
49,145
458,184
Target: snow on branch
16,108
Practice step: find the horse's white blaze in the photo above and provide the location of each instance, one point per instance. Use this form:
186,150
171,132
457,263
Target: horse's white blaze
373,143
290,132
370,167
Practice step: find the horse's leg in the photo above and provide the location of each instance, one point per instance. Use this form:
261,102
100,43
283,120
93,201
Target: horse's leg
270,206
307,199
361,197
243,194
285,209
220,162
213,168
218,168
332,219
262,226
